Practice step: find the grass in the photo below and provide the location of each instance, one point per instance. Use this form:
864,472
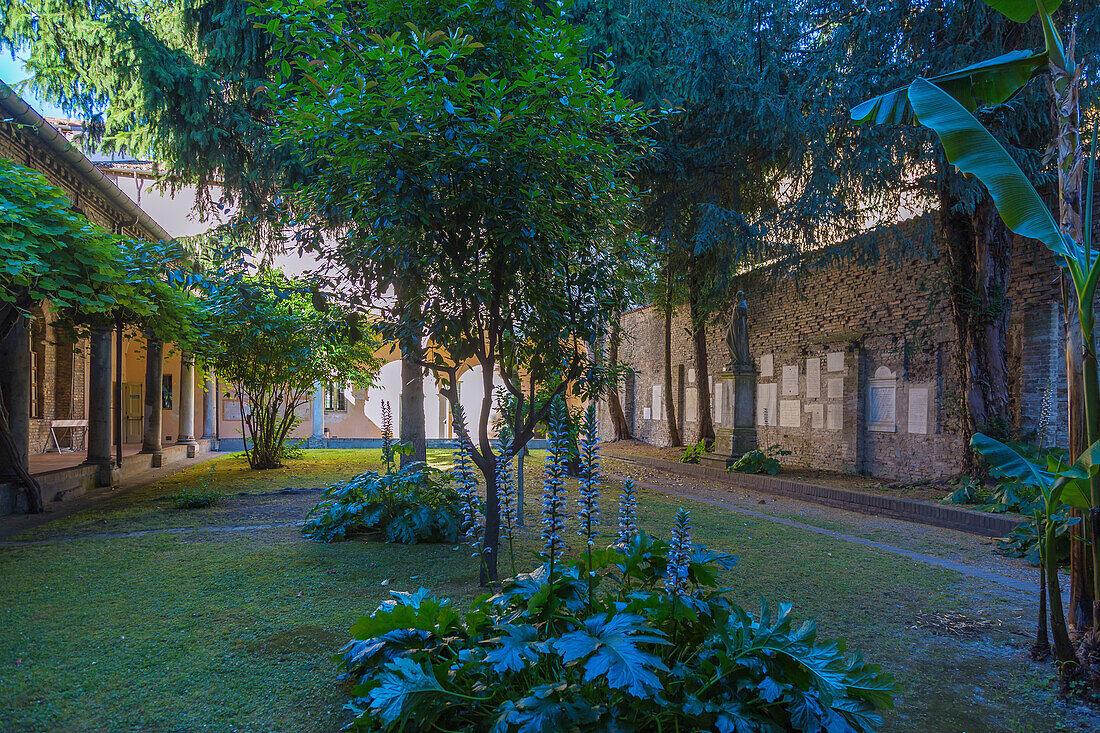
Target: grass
233,631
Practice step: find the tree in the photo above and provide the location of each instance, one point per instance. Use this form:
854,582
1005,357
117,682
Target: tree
465,142
88,275
945,104
268,339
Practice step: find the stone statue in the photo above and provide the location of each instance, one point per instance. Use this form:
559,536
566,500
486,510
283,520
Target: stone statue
737,335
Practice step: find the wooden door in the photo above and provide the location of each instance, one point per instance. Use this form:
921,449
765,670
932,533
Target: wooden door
133,412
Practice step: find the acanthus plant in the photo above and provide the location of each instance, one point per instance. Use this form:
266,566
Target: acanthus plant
628,512
557,649
387,437
554,489
473,518
506,488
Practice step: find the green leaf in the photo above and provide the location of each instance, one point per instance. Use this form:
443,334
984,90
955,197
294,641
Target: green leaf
1008,462
1021,11
610,646
406,688
1074,489
975,151
987,83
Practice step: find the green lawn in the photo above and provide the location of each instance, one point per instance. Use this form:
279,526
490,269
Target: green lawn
233,630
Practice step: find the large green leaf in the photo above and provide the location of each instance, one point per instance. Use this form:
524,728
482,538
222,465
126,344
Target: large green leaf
985,83
1074,490
975,151
1010,463
1022,10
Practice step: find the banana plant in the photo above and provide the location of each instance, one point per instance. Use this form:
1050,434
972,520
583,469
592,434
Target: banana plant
946,104
1059,485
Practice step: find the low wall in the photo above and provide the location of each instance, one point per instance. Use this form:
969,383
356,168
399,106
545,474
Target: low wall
233,445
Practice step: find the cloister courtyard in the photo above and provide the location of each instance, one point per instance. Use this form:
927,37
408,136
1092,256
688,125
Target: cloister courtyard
132,614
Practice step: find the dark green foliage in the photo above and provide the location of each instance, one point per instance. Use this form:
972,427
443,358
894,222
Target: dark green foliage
415,504
968,490
549,653
1024,540
760,460
693,453
202,495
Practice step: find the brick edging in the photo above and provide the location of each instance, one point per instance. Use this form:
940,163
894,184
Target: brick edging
985,524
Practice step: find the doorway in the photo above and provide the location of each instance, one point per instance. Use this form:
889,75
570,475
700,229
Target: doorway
133,412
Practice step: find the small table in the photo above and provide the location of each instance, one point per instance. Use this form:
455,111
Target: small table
72,425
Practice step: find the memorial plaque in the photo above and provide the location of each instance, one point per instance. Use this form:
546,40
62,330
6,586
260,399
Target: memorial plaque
767,367
766,397
716,395
836,388
790,413
691,406
231,409
790,381
833,419
813,377
918,410
729,397
834,361
882,402
817,416
647,414
691,376
657,404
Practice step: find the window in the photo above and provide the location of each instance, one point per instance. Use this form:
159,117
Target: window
334,398
166,391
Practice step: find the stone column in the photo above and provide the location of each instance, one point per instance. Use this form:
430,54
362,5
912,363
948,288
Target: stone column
154,400
209,407
187,403
318,433
15,380
99,407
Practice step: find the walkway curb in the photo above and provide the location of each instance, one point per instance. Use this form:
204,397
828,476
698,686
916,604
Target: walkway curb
985,524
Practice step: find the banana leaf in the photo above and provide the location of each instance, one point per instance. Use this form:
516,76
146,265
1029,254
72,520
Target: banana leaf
986,83
1022,10
975,151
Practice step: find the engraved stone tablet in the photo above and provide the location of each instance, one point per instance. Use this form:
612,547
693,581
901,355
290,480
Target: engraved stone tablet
882,401
834,361
656,404
691,406
817,416
766,395
790,381
766,365
716,395
647,414
836,388
918,410
813,377
833,418
790,413
691,376
231,409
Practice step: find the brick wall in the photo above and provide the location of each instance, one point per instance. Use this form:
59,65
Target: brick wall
889,329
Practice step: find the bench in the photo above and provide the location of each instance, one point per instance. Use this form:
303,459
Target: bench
72,425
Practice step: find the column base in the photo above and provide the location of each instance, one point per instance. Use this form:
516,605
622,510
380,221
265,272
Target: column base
107,473
156,458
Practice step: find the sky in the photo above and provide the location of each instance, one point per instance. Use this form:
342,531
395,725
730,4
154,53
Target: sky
12,72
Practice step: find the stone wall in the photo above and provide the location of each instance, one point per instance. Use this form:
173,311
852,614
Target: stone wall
857,363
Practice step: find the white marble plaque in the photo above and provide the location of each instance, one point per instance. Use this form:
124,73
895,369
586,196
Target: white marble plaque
817,416
833,417
813,377
231,410
716,395
766,396
882,402
647,414
656,404
918,410
835,388
691,408
834,361
790,413
691,376
790,381
767,368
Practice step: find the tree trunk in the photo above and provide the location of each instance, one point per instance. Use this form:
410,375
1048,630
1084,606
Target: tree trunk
1080,559
698,320
412,412
491,540
618,419
670,404
980,251
411,416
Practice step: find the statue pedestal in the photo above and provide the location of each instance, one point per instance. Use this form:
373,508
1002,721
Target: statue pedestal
735,433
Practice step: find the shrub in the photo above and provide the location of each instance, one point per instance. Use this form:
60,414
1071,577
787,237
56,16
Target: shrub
415,504
760,461
196,498
1024,540
693,453
646,642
